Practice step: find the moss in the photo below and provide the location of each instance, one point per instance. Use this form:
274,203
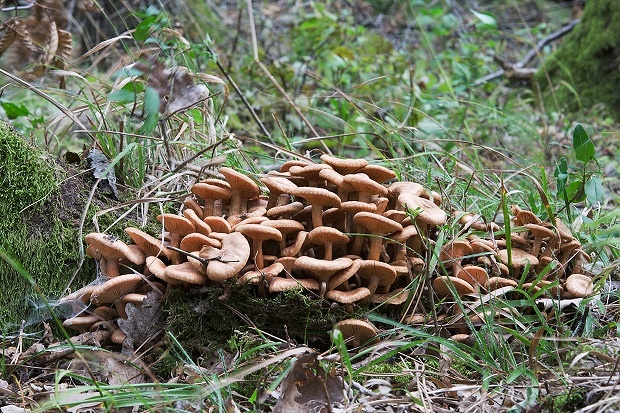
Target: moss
587,63
208,317
568,401
33,232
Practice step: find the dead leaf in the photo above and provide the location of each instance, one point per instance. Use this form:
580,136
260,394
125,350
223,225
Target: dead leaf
144,323
308,388
176,89
98,163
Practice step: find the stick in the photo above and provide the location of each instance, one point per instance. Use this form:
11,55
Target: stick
529,56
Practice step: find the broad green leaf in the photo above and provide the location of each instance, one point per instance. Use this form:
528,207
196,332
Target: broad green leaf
151,111
583,146
143,31
486,19
595,193
122,96
14,111
575,192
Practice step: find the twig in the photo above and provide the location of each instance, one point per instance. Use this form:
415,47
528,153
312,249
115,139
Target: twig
529,55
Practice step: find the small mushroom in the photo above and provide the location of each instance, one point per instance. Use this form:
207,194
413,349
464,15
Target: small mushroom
110,251
228,261
242,189
115,288
358,332
444,286
579,285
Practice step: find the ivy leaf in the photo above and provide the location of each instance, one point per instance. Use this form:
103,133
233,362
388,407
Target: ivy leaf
595,193
583,146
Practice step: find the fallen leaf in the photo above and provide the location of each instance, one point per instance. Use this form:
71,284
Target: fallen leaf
99,164
308,388
144,323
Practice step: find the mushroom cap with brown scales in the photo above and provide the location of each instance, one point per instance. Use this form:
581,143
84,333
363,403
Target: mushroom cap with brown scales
429,213
242,189
218,224
209,193
111,251
579,285
358,332
286,166
232,257
394,297
115,288
453,253
150,246
378,173
344,166
158,268
199,225
445,284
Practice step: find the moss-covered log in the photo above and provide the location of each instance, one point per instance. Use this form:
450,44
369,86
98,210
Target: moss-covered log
585,70
34,229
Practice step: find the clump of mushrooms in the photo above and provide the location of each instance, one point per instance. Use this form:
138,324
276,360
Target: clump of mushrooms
343,230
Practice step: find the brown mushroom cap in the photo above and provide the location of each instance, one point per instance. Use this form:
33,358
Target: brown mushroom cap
286,211
344,166
199,225
378,173
233,256
327,237
258,234
474,275
348,297
364,186
453,253
519,258
80,323
500,282
579,285
444,284
279,284
195,241
115,288
267,273
186,272
358,331
218,224
429,214
318,198
209,193
242,188
149,245
377,226
277,186
322,270
377,273
111,250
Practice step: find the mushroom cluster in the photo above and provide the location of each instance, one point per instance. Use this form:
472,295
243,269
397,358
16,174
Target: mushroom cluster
343,230
546,256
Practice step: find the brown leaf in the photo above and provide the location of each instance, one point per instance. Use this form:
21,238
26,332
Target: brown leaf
177,90
308,388
144,323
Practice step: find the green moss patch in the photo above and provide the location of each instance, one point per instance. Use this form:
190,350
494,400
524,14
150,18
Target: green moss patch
585,70
36,228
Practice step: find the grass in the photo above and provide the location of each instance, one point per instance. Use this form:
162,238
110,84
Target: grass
344,88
